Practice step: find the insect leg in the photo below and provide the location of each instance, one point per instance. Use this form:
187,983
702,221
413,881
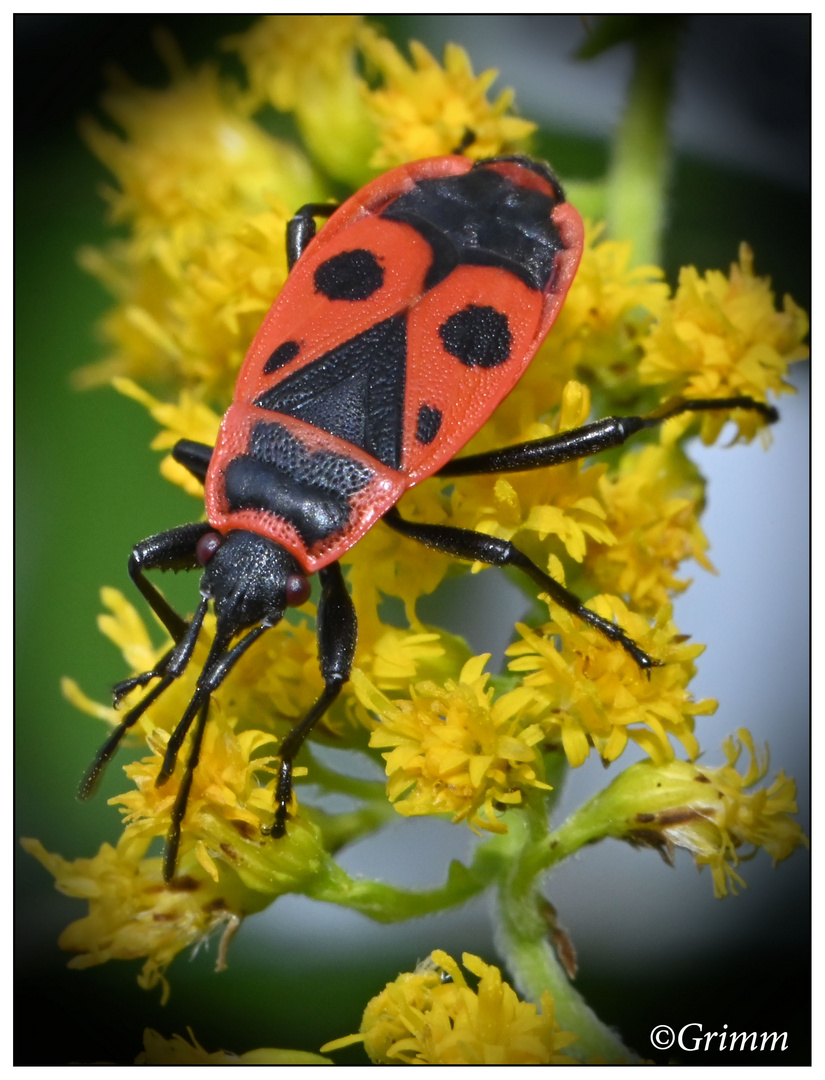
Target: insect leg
172,550
175,662
170,855
337,633
589,439
479,547
301,229
217,666
194,456
467,140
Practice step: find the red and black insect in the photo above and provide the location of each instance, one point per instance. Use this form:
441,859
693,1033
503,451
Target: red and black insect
402,325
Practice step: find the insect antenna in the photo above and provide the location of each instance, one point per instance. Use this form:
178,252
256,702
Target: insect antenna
218,665
170,856
170,667
91,779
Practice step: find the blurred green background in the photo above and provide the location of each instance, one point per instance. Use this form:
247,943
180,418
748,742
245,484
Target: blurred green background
87,488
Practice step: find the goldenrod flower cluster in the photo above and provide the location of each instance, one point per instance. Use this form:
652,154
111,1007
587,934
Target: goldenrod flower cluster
206,192
432,1016
454,749
703,809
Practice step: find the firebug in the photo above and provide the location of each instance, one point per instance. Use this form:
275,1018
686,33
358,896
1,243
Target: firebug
403,323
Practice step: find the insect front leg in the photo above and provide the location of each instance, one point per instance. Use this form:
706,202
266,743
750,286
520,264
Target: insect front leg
479,547
582,442
172,550
337,633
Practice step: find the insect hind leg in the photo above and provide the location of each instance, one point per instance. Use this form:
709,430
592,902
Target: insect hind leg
480,547
592,438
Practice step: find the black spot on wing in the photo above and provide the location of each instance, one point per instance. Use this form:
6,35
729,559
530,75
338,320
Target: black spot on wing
482,218
282,356
350,275
477,336
308,488
429,423
355,391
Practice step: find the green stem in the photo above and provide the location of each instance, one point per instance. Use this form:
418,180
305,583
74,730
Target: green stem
535,968
637,182
388,904
523,934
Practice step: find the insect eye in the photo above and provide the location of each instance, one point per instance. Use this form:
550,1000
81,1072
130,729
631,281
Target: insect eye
297,590
207,546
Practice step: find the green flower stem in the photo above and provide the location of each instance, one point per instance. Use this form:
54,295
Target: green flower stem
609,813
523,938
388,904
523,934
637,182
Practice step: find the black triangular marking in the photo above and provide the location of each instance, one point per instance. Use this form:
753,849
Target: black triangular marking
355,391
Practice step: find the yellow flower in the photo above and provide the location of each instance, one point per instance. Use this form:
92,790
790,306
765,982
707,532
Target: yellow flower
189,418
592,692
721,336
207,194
306,64
705,810
399,654
562,503
226,812
177,1051
433,1017
454,749
232,796
133,914
226,867
423,110
609,307
189,158
652,504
